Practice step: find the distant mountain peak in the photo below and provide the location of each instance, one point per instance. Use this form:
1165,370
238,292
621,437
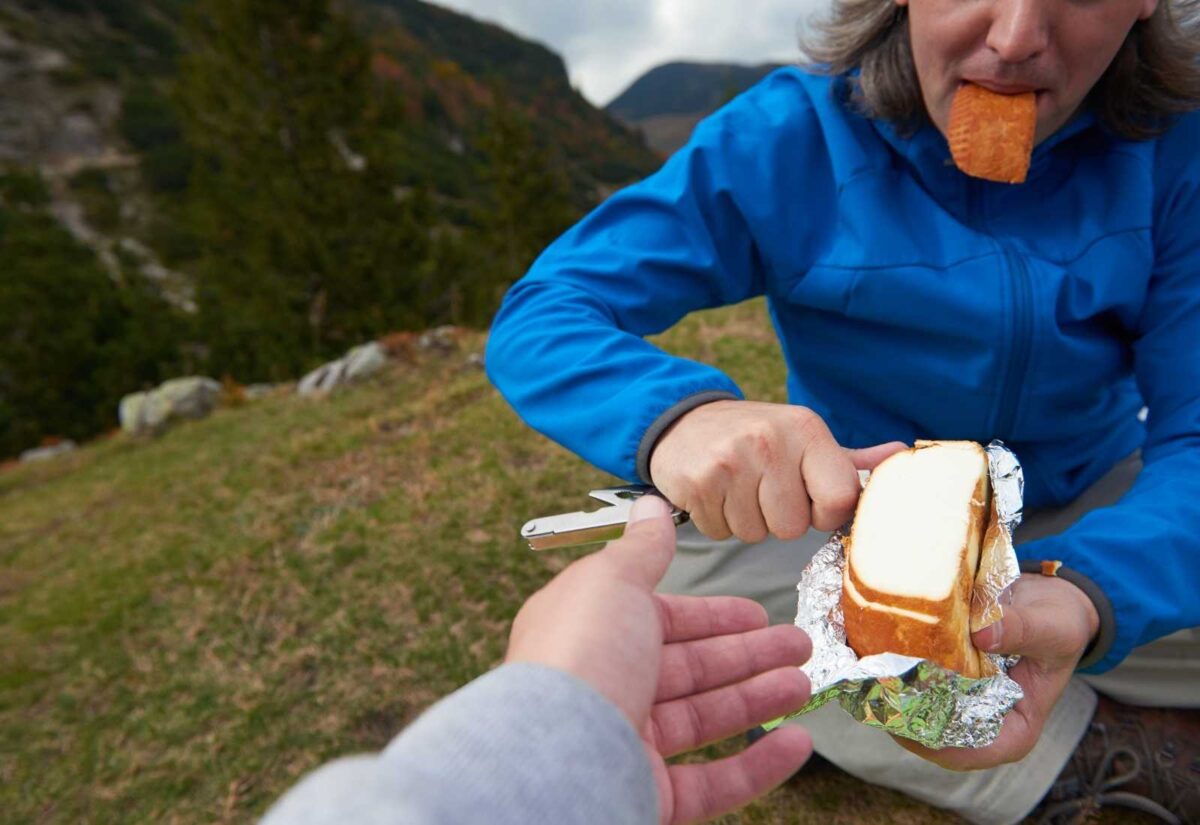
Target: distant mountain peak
666,102
685,87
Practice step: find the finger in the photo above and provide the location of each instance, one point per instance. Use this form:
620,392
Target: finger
644,552
868,458
703,791
707,509
784,502
688,668
686,724
1016,739
1020,731
697,617
1046,620
742,512
830,480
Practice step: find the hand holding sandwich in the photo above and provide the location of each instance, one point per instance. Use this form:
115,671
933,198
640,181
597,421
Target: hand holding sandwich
749,469
1049,623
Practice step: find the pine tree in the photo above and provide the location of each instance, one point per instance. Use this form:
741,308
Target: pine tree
72,342
308,249
527,201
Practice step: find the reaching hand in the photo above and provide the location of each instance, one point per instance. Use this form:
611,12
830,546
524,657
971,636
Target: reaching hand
686,671
1049,623
746,468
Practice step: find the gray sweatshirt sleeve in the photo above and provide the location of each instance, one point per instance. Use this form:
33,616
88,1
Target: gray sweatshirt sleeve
521,744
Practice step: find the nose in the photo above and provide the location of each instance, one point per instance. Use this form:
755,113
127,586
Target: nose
1020,29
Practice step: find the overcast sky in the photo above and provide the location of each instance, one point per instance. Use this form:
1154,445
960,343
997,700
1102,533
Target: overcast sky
607,44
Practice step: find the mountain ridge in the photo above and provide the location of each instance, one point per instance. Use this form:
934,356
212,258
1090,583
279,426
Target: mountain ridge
265,184
685,87
668,101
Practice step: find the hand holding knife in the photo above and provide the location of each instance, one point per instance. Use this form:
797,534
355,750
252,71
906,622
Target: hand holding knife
598,526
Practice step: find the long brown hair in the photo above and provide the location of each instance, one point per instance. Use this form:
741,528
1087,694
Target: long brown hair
1155,74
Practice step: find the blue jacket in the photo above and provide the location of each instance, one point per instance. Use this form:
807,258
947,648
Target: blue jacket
911,302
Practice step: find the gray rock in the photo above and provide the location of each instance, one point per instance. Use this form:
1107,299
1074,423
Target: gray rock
359,363
475,360
323,379
47,453
145,413
132,411
439,339
365,360
257,392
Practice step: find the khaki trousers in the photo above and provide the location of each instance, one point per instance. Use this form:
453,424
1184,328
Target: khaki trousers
1165,673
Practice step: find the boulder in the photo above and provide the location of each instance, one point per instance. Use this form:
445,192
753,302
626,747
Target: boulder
323,379
47,453
145,413
440,339
362,361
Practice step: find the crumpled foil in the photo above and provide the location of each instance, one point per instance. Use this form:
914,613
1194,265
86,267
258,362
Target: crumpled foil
903,695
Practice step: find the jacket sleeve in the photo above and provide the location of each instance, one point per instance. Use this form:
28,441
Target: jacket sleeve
523,744
1143,553
566,348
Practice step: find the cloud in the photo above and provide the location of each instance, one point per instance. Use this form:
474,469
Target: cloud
608,44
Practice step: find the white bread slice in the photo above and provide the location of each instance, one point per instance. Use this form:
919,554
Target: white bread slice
913,552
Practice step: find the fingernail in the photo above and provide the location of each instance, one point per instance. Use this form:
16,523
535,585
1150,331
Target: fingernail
990,637
648,507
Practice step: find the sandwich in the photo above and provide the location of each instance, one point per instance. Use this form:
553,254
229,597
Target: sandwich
913,553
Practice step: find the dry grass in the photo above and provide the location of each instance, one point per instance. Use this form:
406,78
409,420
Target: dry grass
187,625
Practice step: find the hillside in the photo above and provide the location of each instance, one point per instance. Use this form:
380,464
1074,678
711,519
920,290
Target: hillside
190,624
459,60
269,184
666,102
89,86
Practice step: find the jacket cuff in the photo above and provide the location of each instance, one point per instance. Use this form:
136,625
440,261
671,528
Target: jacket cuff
1107,634
673,414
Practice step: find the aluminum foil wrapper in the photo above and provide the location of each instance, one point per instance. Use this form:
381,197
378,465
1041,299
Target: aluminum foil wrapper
904,695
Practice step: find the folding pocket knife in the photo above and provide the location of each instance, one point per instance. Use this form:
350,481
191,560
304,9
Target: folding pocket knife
595,527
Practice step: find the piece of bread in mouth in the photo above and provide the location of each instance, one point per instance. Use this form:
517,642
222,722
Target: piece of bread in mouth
913,552
991,135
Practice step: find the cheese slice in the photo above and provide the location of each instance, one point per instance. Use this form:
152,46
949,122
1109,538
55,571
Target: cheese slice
913,552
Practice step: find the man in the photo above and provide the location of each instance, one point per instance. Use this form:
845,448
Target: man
914,302
602,680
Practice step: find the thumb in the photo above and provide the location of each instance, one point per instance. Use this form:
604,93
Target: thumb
1025,630
644,552
1046,620
868,458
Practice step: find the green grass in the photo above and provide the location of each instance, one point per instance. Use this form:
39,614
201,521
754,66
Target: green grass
188,625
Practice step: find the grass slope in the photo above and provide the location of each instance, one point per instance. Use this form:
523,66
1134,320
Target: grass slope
188,625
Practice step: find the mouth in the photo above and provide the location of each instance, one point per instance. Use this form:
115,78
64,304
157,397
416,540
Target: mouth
1005,88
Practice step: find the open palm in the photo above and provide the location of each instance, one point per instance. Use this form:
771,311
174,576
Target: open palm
723,671
684,670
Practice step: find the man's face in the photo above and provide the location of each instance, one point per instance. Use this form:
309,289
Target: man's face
1056,48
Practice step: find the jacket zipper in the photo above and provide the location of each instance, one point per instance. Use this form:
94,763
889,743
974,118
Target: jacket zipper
1018,363
1022,318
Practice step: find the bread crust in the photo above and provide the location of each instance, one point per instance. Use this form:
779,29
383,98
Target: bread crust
870,631
936,630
